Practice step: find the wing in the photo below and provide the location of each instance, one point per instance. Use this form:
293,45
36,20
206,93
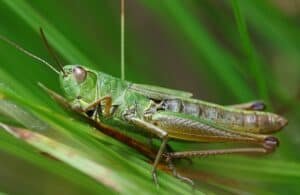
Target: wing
158,93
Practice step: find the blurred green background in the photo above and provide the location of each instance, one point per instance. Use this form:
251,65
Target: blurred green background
225,52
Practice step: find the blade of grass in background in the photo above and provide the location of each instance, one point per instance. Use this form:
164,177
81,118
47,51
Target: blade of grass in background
275,28
252,59
219,60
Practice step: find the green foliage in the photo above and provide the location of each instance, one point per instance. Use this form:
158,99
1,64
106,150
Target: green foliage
223,51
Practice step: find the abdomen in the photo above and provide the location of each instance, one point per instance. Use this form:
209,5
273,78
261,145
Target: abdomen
225,117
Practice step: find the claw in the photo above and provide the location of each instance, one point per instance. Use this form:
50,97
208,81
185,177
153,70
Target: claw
154,177
177,175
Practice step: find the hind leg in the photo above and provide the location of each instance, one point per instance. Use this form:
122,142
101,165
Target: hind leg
254,105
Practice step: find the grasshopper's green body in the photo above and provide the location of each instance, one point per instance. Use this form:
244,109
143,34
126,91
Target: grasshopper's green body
165,107
167,113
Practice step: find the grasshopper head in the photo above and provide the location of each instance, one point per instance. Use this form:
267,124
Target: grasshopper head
78,82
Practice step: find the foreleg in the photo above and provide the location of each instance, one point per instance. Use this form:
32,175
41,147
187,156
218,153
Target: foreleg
96,103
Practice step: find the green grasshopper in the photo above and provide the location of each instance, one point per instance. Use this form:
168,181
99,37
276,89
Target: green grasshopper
164,113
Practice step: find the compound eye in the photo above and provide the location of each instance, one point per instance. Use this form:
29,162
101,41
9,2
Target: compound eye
79,74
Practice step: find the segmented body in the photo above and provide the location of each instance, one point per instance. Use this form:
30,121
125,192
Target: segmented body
196,120
234,119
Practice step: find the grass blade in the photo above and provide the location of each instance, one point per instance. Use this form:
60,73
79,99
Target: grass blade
68,155
252,58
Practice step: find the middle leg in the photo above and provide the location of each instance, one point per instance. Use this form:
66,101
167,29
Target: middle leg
160,133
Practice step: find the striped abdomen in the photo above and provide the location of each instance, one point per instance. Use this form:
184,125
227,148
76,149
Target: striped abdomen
226,117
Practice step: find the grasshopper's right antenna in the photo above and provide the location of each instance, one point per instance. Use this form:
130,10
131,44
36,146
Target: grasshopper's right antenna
18,47
51,52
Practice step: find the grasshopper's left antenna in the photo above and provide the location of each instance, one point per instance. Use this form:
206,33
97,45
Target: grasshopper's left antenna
122,39
51,52
18,47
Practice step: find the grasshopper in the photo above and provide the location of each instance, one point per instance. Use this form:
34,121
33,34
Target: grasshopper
164,113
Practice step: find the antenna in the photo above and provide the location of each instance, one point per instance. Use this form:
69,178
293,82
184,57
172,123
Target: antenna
51,52
21,49
122,39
